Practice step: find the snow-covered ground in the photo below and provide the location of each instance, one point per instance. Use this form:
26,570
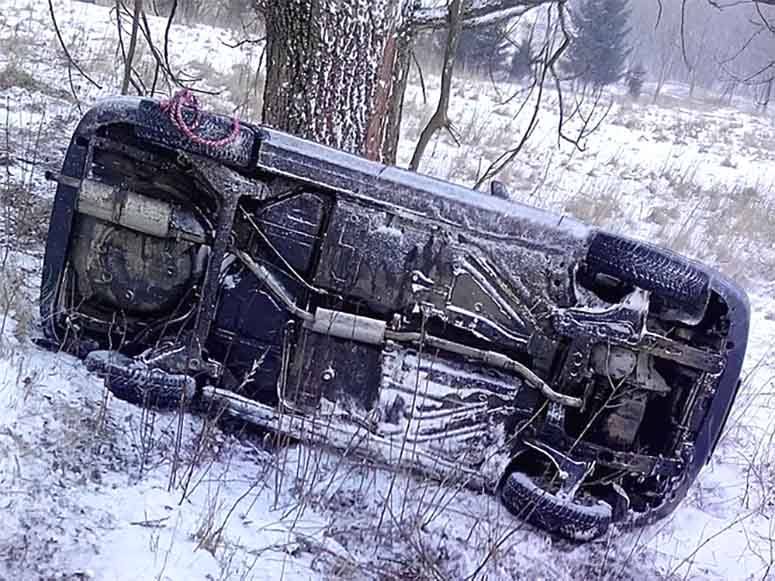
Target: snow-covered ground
91,487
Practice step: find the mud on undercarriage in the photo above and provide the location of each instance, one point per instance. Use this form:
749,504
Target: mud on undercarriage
582,376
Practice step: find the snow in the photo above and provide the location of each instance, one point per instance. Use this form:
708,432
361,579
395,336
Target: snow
88,486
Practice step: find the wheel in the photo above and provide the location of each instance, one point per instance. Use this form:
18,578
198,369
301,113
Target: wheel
670,278
135,382
566,517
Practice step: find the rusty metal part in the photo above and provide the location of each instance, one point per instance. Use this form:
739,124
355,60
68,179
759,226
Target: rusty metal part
666,348
135,211
348,326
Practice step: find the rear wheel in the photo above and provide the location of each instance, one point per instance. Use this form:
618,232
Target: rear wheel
135,382
532,492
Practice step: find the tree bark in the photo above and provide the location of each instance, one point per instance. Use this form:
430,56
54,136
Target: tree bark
336,72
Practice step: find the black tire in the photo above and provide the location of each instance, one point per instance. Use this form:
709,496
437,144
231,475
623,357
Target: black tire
135,382
670,277
564,517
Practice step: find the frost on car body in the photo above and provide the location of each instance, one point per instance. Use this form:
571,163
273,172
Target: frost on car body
582,376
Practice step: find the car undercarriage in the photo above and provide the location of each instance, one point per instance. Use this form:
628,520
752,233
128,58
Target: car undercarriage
196,261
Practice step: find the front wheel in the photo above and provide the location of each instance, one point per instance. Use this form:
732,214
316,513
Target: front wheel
571,518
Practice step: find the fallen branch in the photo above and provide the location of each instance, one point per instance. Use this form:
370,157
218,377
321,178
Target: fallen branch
154,523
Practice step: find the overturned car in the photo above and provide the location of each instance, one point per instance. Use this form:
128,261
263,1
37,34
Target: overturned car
195,261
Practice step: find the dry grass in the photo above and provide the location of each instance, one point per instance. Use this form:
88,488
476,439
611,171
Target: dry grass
15,301
27,215
602,209
14,75
735,231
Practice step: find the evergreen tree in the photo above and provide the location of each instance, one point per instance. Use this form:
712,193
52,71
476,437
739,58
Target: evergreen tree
600,47
482,48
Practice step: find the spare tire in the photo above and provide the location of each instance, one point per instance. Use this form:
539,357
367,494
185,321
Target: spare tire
565,517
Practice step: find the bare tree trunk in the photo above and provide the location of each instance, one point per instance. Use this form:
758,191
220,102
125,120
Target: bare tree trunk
729,91
663,71
336,72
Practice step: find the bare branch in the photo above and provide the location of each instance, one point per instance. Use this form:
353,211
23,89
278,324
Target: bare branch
167,28
478,12
762,16
550,58
69,57
243,42
440,119
683,36
422,78
130,55
175,78
660,9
